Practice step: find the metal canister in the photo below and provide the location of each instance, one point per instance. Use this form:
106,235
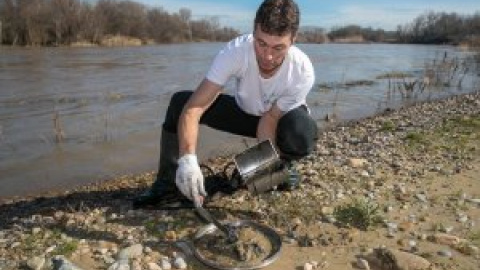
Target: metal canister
268,178
261,169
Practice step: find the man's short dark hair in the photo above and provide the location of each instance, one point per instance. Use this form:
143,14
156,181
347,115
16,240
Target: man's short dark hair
278,17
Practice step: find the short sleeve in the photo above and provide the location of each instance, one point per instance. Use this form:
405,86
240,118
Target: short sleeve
227,63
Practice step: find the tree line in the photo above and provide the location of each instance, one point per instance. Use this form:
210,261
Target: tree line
63,22
366,34
441,28
428,28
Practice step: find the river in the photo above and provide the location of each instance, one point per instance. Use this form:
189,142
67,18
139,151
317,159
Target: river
73,116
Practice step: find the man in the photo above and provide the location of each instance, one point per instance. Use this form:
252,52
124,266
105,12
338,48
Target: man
273,78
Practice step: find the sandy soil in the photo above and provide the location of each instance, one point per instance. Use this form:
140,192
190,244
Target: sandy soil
343,257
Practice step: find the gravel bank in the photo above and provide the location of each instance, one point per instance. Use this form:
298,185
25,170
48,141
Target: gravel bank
380,192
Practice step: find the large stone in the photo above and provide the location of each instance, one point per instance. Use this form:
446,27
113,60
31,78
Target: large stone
120,265
130,252
445,239
180,263
357,162
36,263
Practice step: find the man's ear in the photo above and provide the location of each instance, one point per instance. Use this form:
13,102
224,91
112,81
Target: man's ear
294,38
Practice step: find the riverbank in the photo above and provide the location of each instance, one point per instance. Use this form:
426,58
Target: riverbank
405,180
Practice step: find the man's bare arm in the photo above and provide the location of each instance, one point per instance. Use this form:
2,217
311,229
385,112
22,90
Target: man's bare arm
189,121
267,126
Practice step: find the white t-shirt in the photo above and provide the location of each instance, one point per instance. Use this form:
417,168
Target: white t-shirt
288,87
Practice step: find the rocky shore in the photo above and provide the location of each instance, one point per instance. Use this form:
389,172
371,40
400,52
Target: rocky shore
395,191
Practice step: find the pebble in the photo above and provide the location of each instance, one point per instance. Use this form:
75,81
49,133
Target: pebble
307,266
147,250
165,264
447,229
362,264
364,173
392,226
421,197
406,226
463,219
154,266
122,264
445,253
130,252
50,249
36,263
179,263
357,162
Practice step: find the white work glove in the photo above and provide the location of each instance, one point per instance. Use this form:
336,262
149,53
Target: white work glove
189,179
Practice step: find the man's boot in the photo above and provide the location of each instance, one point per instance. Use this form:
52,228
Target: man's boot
163,189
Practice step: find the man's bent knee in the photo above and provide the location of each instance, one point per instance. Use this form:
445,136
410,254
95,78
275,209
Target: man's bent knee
296,145
296,134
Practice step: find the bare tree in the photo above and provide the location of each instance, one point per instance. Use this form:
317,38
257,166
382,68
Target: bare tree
185,16
36,16
9,15
92,28
440,27
66,17
163,27
368,34
312,35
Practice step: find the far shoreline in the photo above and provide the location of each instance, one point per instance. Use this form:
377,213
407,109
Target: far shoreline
114,41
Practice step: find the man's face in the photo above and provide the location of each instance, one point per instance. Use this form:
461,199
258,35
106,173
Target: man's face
270,50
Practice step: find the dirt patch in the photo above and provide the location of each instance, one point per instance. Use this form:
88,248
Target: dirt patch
251,248
343,253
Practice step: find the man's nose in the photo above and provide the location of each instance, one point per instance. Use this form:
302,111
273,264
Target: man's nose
268,54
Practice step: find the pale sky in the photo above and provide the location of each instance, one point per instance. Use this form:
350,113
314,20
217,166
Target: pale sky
383,14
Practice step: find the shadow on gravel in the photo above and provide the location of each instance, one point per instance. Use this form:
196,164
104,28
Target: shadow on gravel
119,202
116,201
